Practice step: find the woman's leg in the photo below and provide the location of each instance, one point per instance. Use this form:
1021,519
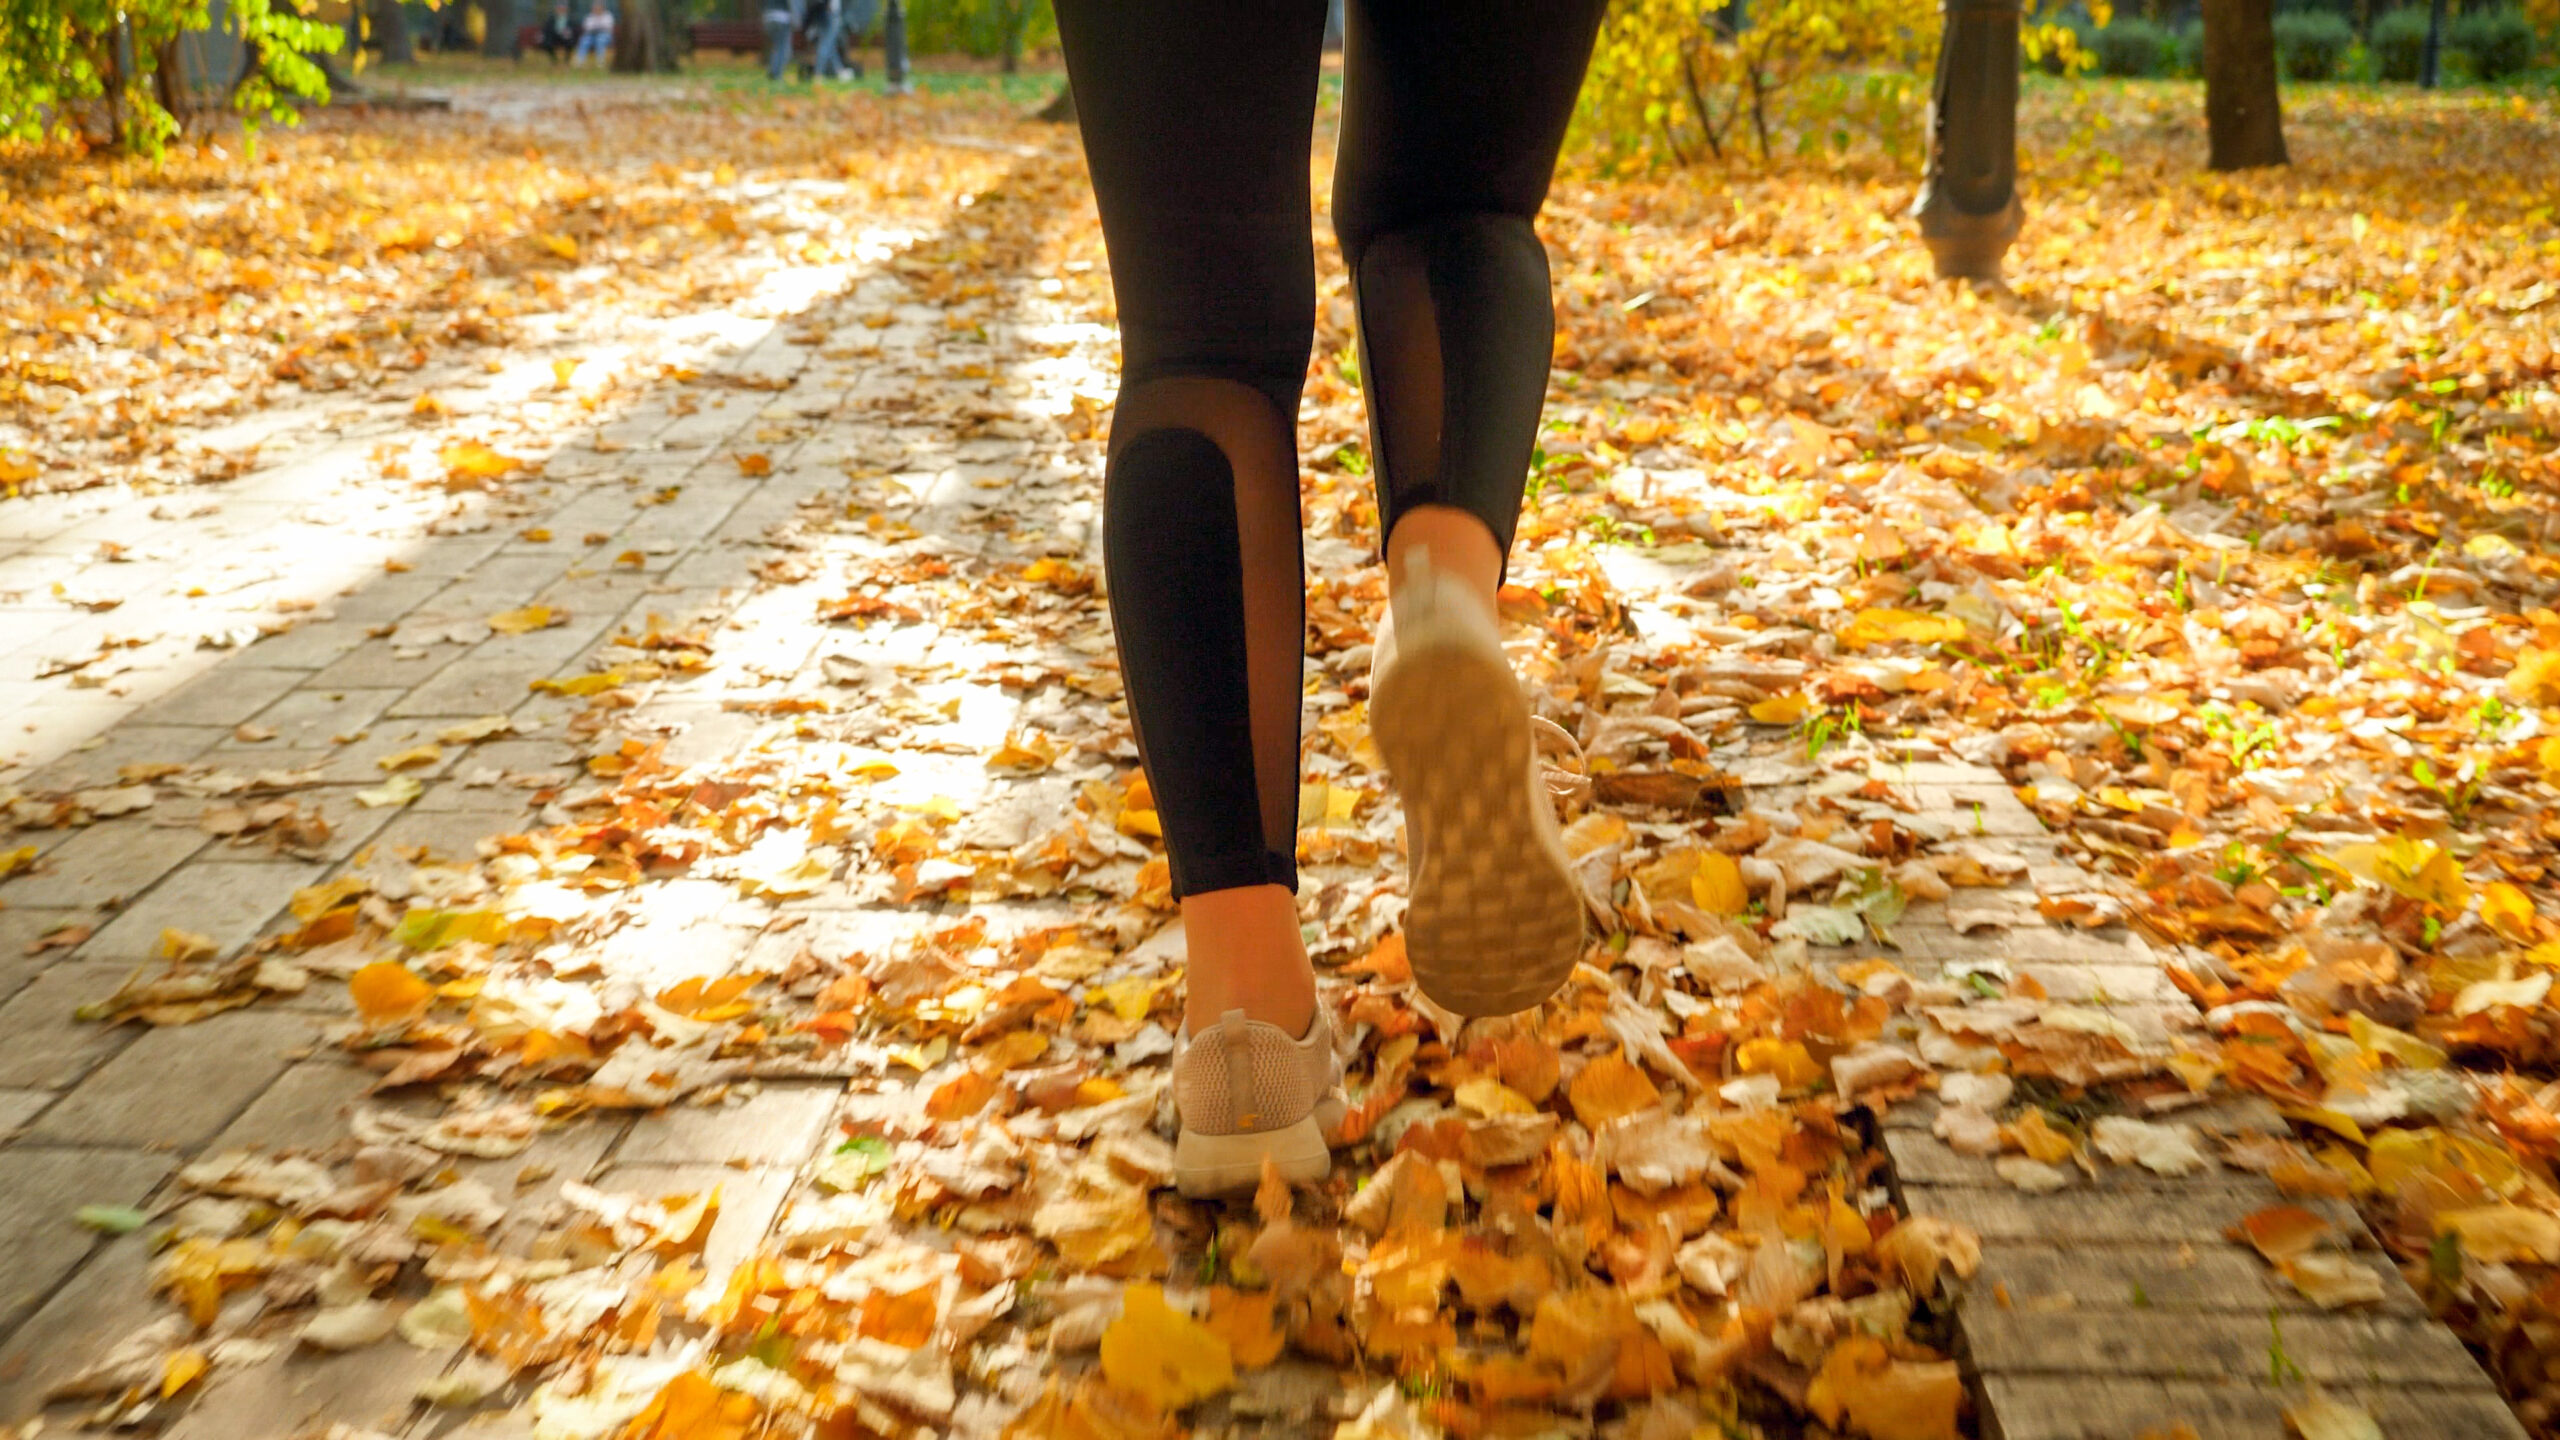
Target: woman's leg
1196,120
1452,118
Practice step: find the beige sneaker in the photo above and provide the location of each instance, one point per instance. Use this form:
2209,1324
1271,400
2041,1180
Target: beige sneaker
1494,924
1246,1091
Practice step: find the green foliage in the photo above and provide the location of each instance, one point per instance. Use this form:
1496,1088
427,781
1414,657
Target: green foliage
986,29
2134,46
1681,81
2313,44
2499,42
105,70
2400,43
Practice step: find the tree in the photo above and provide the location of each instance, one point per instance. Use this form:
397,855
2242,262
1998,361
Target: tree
391,32
2243,119
499,39
106,70
2431,59
643,44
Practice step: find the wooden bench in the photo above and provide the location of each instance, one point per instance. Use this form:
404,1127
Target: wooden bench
738,37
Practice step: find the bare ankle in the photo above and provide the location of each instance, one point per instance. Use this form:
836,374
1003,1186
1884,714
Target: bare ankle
1246,954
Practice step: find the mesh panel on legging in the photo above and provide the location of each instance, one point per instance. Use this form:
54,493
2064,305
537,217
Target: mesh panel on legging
1201,538
1451,119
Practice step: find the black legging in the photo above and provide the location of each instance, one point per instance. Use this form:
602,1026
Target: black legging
1196,118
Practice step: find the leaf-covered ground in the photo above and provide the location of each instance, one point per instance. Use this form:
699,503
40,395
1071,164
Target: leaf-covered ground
2223,532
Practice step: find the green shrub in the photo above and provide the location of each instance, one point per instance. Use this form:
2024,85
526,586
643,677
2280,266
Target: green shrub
2186,55
2499,42
2313,44
2133,46
2400,43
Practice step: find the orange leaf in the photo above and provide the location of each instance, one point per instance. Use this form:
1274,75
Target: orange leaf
1885,1398
1248,1321
905,1321
387,992
961,1096
2282,1232
1608,1088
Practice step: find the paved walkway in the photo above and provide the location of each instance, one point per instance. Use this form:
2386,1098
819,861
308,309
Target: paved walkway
2115,1307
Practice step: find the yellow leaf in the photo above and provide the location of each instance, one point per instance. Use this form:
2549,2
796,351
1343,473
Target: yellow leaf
1487,1096
185,947
387,991
2536,676
562,370
472,460
2037,1139
1885,1398
2508,910
398,790
527,620
1882,627
1782,709
1163,1355
2503,1233
2419,869
561,245
1717,884
181,1369
415,755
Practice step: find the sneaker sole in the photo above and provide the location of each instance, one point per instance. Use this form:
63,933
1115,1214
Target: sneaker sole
1207,1166
1494,925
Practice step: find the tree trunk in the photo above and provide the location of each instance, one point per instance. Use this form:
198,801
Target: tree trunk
1968,207
391,32
2241,112
642,42
1061,109
352,46
499,38
2431,59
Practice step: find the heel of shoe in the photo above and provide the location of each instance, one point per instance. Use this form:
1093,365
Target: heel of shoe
1211,1165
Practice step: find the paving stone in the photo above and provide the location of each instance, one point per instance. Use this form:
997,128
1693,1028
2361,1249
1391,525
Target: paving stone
41,1045
2095,1407
310,717
749,1200
781,1125
374,665
17,1107
303,1390
110,860
40,1190
21,931
2167,1278
314,644
454,834
305,1109
2196,1215
181,1085
496,676
1919,1158
129,743
107,1298
2333,1349
230,695
226,901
